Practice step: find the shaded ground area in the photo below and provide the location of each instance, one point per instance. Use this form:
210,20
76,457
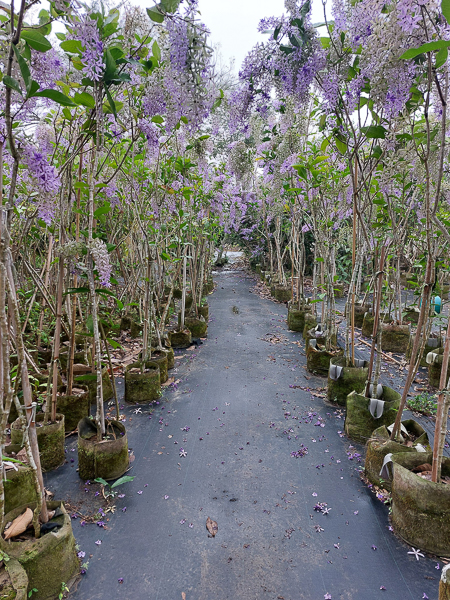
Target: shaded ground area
238,420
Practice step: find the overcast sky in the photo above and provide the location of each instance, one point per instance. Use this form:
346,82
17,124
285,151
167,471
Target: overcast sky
233,23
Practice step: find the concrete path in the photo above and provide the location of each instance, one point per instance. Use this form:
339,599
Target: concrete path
243,405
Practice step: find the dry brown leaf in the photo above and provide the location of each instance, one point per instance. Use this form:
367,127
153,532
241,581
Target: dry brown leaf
212,527
20,524
168,382
183,596
422,468
79,369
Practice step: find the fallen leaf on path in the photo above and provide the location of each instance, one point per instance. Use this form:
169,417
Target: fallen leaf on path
20,524
168,382
183,596
212,527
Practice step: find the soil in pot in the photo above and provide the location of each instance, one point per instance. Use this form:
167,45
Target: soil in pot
282,293
159,358
367,326
349,379
359,422
107,459
421,508
142,388
318,359
50,440
48,560
197,327
180,339
379,445
432,345
435,367
73,407
395,338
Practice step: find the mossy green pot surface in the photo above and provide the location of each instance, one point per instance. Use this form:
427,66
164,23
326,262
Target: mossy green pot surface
360,311
208,286
421,508
50,440
282,293
18,587
49,560
91,385
108,458
367,326
197,327
321,338
125,322
395,338
159,358
310,323
410,316
79,358
318,360
379,444
338,288
142,388
434,370
359,423
180,338
203,311
296,316
351,379
136,329
74,406
19,488
432,345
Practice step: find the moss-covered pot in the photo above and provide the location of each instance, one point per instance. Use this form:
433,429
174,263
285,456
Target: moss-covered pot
338,288
350,379
48,560
318,359
435,368
170,358
91,383
107,459
320,338
395,338
421,508
180,339
310,323
203,311
19,488
136,329
79,358
125,322
142,388
432,345
50,440
159,358
73,407
282,293
359,423
367,326
197,327
379,445
411,315
360,311
18,586
296,316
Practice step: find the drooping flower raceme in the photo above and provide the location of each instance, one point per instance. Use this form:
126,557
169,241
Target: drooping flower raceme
45,179
86,30
100,254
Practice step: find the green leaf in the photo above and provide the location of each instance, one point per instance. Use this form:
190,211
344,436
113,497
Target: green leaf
156,51
102,481
56,96
90,324
341,146
113,343
325,41
84,99
110,66
157,119
24,69
374,132
124,479
102,210
34,86
441,57
72,46
170,6
36,40
429,47
12,83
445,7
111,102
155,14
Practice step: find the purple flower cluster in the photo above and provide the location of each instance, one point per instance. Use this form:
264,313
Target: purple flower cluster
100,255
86,30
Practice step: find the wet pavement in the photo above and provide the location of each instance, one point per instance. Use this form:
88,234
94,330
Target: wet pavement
243,405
